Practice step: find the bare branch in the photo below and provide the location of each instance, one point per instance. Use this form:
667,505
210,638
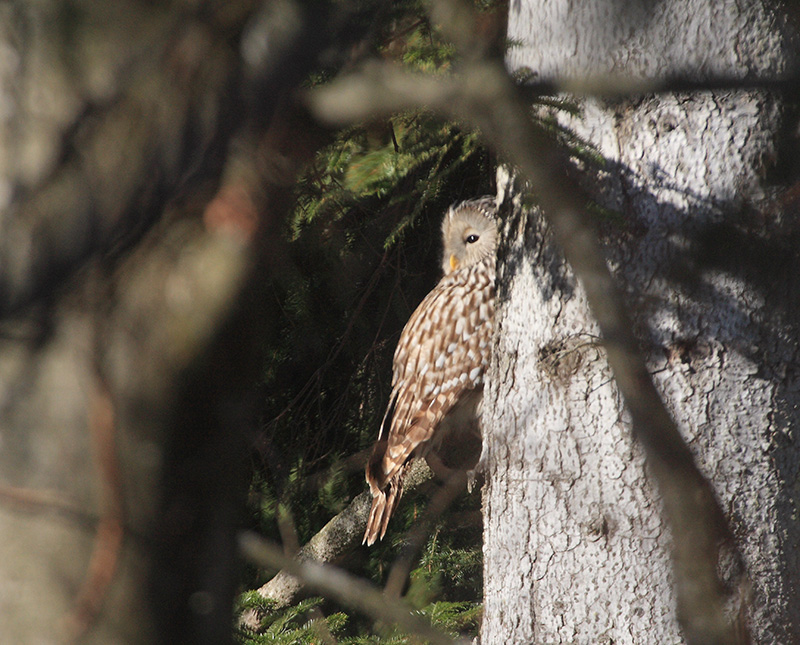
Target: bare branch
340,586
337,538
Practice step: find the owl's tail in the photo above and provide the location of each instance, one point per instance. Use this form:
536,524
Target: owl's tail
383,505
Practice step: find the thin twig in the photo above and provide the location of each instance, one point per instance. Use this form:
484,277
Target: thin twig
108,538
37,500
455,485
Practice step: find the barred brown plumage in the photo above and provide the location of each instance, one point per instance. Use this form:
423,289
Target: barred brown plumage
439,363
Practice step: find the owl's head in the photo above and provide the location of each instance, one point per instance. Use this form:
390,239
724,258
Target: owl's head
469,233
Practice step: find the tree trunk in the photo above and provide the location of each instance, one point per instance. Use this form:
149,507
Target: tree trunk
575,547
142,168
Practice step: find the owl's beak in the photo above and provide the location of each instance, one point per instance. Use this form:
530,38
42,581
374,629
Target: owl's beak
453,262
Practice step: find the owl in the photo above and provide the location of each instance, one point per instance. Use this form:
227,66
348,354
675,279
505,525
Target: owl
437,384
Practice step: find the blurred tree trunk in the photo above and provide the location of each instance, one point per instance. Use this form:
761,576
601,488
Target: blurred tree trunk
139,186
575,548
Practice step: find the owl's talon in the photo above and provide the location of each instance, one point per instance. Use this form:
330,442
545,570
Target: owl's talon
476,475
471,477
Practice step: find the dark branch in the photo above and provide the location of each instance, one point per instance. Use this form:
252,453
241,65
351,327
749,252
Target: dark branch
620,87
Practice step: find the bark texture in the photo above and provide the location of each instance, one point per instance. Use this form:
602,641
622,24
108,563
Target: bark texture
711,283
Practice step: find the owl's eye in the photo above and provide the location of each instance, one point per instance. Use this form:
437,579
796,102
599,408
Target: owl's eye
471,239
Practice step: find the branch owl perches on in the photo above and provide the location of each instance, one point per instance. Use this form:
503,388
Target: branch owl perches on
435,405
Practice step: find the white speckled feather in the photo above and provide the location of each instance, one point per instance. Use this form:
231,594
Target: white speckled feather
441,355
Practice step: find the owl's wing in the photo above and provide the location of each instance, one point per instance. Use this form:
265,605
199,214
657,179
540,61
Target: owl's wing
442,352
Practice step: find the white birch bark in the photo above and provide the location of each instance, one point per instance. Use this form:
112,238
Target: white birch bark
575,548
